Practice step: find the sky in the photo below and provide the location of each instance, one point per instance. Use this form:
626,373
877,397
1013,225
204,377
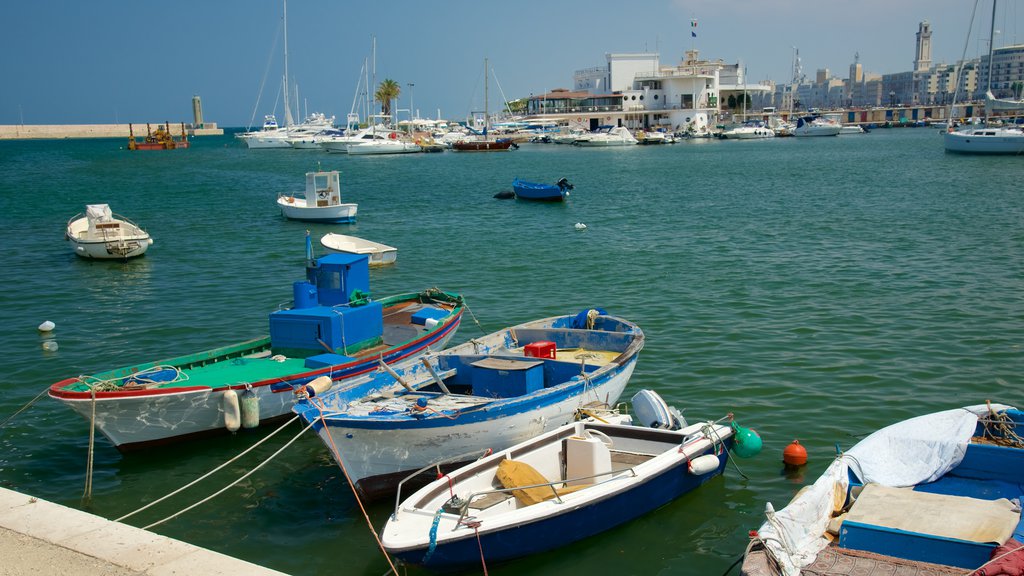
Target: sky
116,61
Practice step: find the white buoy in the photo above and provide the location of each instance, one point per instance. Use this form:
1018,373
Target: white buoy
232,413
581,226
47,326
50,345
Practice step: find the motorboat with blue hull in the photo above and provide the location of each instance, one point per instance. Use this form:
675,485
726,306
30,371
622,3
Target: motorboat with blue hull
939,494
560,487
543,192
488,393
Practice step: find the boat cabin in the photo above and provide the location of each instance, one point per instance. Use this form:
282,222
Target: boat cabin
323,189
333,316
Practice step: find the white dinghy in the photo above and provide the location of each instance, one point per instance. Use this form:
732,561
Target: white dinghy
321,201
379,254
99,233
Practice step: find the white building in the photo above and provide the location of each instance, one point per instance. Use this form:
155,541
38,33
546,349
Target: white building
636,91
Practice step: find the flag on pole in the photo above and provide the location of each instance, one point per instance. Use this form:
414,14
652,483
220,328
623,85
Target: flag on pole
693,34
693,24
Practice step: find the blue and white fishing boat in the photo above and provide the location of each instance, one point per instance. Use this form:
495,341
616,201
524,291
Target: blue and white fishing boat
563,486
488,393
544,192
936,494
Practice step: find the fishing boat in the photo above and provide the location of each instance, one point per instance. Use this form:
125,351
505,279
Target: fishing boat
560,487
162,139
935,494
101,234
321,201
990,137
544,192
379,254
490,392
334,331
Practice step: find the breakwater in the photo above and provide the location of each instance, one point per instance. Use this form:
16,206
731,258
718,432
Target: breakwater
63,131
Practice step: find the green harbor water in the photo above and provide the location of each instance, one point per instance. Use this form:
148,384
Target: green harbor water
816,288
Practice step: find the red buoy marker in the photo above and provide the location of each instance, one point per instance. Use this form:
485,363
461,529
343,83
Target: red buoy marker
794,454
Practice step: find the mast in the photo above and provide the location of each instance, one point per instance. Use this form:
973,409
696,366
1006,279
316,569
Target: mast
991,49
487,116
287,104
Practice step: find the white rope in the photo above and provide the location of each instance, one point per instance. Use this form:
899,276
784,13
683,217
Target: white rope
87,495
210,473
231,485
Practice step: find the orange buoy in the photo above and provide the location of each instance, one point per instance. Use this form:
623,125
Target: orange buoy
794,454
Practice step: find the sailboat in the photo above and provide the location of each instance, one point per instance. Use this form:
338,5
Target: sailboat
987,138
273,135
483,143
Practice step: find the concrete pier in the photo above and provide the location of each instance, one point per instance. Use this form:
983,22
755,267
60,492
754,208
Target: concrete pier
62,131
40,537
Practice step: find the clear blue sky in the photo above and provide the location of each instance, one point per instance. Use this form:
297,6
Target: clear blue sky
64,61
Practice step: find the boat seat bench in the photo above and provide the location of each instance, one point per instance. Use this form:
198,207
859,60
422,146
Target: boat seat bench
939,528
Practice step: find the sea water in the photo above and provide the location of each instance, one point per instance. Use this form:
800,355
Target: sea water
817,289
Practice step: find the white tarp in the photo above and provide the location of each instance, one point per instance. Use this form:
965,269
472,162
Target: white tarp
97,214
904,454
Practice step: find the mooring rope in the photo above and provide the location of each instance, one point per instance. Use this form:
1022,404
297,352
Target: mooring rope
87,494
25,407
208,474
232,484
341,464
466,305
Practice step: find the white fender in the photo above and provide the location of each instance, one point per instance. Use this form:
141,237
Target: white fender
702,465
318,386
232,413
249,404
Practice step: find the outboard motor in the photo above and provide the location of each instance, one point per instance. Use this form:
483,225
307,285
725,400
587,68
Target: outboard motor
564,184
652,411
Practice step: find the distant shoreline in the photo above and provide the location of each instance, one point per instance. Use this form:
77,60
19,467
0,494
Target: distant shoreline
68,131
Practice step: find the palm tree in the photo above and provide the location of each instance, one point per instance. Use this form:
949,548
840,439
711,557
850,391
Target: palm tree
387,91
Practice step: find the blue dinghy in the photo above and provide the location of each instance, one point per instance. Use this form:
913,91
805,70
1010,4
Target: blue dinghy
560,487
936,494
543,192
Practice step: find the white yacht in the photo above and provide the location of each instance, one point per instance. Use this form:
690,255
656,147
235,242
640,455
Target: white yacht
607,136
816,126
747,131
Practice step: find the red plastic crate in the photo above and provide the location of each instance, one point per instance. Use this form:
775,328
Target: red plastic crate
542,349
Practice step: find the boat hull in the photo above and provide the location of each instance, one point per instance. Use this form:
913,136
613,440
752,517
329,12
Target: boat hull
525,530
125,241
379,446
377,459
137,418
982,141
379,254
296,209
482,145
539,192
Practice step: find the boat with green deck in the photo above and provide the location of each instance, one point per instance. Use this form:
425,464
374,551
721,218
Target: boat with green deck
334,329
